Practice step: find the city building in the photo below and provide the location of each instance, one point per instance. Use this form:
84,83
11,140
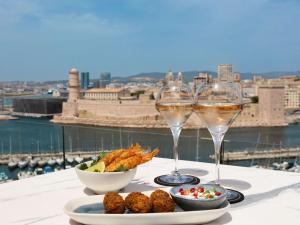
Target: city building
169,77
84,80
105,79
236,77
116,106
202,78
106,94
225,72
292,96
271,104
40,106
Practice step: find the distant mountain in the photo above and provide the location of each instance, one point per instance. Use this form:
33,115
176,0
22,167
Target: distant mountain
188,75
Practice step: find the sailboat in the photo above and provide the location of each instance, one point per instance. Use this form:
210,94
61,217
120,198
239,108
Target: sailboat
23,163
51,162
42,163
78,159
12,164
34,162
59,161
70,159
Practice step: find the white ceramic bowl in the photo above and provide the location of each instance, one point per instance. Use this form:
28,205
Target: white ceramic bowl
104,182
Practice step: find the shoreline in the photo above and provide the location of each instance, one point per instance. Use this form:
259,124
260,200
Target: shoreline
158,125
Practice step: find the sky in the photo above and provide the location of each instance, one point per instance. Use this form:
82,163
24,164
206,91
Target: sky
43,39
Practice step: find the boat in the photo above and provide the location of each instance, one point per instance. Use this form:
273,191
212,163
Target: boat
3,177
78,159
12,164
23,163
51,162
48,169
38,171
25,174
59,161
70,160
68,167
33,162
42,163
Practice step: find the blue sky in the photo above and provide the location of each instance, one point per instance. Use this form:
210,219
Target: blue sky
43,39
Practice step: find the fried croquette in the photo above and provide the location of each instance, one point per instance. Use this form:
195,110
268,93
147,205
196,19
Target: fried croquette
161,202
113,203
159,194
138,202
163,205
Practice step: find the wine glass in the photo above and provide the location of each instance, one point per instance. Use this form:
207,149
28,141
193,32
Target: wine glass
217,105
174,103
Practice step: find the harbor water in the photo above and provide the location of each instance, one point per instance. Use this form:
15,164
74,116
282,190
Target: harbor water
28,135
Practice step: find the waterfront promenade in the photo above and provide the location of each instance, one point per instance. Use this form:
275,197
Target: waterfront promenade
271,197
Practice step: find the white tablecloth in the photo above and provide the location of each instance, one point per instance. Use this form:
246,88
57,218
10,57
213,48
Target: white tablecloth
271,197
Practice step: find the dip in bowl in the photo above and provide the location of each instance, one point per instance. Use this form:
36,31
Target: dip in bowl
199,197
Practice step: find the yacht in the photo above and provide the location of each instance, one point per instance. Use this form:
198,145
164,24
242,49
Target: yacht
3,177
12,164
51,162
70,160
78,159
59,161
25,174
38,171
33,162
48,169
23,163
42,163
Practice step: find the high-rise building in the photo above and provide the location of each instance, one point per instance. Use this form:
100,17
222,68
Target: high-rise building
105,79
225,72
84,80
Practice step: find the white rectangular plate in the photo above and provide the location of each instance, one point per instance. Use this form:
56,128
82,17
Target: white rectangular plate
89,210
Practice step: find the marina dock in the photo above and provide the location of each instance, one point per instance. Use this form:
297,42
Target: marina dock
4,159
262,154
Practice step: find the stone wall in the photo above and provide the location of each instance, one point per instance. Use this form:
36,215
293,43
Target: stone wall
136,114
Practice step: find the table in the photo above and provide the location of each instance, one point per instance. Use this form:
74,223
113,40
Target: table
271,197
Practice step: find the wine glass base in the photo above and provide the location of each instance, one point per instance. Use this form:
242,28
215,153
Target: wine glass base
234,196
172,180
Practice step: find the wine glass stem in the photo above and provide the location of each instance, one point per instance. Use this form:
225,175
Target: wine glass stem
175,132
217,139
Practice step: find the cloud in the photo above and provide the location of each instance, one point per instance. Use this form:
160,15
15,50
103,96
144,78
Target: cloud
32,14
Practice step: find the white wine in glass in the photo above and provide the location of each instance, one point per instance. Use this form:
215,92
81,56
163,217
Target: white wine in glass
217,105
175,104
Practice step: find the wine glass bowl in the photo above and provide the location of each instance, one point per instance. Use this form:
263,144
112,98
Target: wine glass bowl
217,105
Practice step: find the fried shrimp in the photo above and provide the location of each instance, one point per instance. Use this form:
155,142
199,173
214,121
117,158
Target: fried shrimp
148,156
132,151
113,203
128,163
112,156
